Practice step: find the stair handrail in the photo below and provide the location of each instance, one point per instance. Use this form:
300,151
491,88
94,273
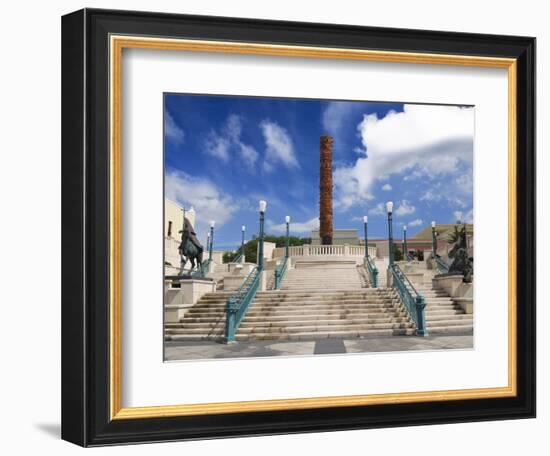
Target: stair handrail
408,257
238,258
413,301
280,273
238,304
372,270
441,266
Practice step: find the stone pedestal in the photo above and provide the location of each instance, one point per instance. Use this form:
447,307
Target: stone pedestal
232,282
467,304
449,283
416,278
241,268
181,294
263,281
461,293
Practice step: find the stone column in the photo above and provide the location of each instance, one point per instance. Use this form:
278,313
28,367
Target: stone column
325,191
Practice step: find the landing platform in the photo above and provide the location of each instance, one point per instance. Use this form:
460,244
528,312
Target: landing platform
180,351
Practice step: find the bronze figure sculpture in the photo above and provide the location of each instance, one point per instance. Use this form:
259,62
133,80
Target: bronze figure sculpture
190,249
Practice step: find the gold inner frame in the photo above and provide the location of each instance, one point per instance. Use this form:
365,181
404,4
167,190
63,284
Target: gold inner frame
117,44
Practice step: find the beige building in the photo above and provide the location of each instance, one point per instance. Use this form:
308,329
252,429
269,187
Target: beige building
339,237
173,218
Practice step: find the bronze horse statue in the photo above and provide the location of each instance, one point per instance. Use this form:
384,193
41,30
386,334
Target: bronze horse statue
190,249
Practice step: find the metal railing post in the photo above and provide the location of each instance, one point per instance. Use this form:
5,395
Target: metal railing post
421,322
231,307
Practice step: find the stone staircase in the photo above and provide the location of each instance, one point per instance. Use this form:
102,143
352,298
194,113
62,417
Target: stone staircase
204,321
299,315
443,316
317,314
321,300
317,275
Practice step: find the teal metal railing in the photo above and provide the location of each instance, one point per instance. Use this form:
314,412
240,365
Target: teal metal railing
372,270
238,258
441,266
408,257
280,273
237,305
413,301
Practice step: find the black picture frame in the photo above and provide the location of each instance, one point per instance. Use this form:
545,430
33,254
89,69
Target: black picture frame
85,228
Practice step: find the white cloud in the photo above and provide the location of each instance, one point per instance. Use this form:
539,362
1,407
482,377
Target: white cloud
336,115
217,146
431,195
295,227
248,154
461,216
173,132
220,144
209,201
424,140
379,209
279,147
404,208
386,187
415,222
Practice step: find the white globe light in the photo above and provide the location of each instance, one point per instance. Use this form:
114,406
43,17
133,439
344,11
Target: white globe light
212,223
263,205
287,219
365,219
433,224
404,227
243,228
389,207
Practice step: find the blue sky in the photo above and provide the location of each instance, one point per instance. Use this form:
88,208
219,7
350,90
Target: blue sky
223,154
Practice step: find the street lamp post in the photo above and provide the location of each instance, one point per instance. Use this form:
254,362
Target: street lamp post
434,241
287,220
405,251
389,209
262,207
243,229
365,221
212,224
208,241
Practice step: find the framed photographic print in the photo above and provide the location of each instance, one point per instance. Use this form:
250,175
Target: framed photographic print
277,227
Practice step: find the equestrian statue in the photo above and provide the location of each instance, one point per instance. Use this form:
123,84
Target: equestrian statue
190,249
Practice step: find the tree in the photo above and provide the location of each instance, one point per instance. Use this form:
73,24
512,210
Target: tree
251,247
398,254
229,256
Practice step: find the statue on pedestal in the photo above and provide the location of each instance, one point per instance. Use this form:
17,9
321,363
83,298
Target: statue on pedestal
190,249
462,262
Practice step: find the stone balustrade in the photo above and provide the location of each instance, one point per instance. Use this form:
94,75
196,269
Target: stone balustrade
325,250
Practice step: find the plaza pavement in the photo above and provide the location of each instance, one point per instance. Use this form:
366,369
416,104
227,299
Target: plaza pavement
177,351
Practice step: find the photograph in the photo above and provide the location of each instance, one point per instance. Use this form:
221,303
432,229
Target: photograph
301,227
287,224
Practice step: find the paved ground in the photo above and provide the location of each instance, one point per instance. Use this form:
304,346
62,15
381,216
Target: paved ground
208,350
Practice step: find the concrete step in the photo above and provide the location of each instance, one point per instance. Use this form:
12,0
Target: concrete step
320,328
284,323
373,316
449,322
465,329
327,334
321,308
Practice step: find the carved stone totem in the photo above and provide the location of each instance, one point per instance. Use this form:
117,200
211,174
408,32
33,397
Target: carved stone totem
325,191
